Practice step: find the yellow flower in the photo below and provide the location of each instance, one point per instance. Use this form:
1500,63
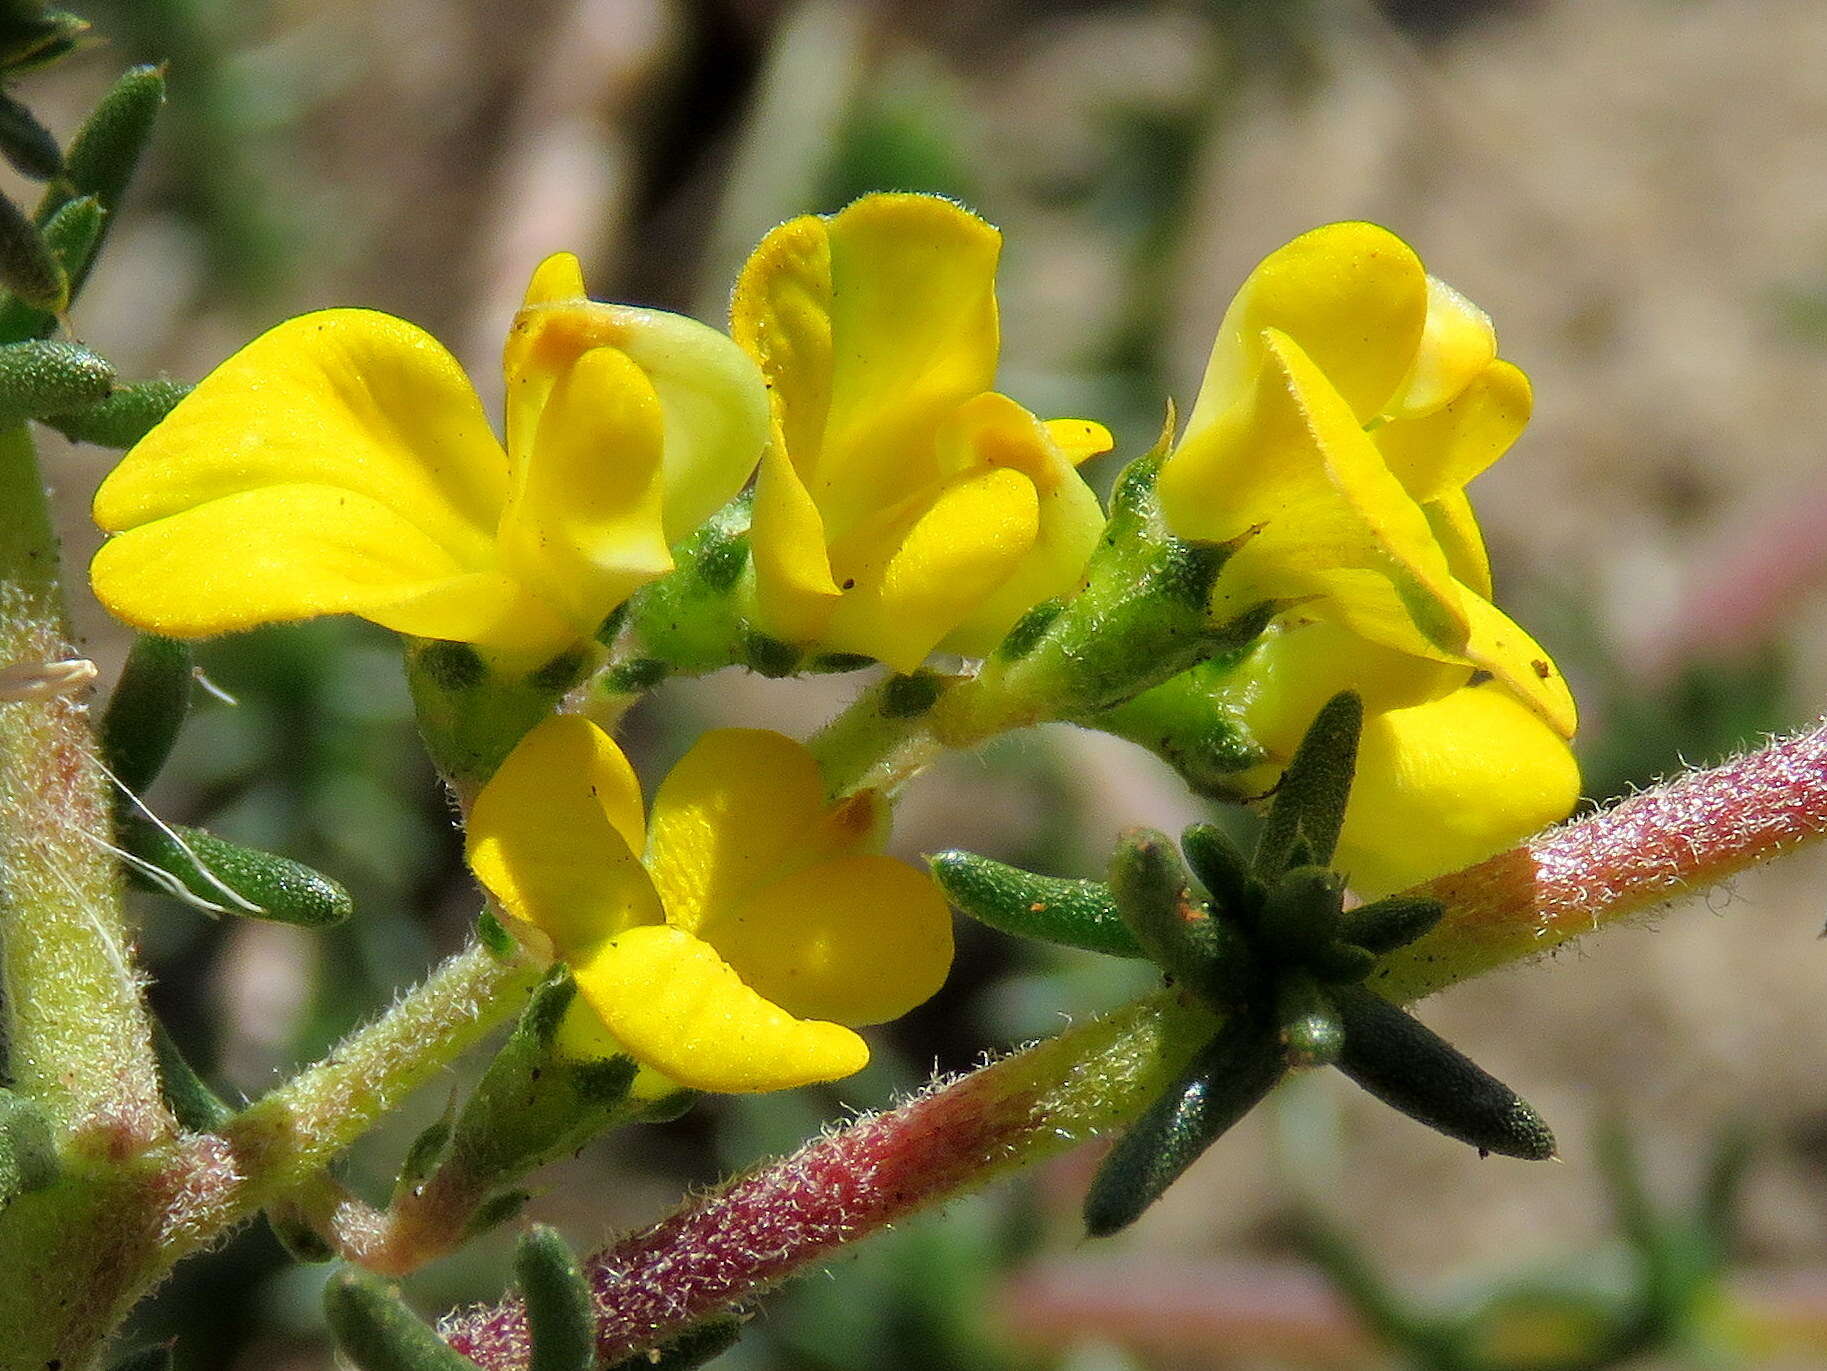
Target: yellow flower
342,464
1349,399
726,942
903,505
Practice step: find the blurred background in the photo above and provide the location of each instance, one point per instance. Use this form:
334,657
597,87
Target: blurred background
1636,190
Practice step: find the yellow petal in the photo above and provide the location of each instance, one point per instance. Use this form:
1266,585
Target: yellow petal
711,395
1447,448
794,592
871,325
287,552
730,818
991,430
1499,645
906,588
1301,663
554,836
344,398
677,1007
584,525
1457,343
780,314
1456,527
1449,783
1080,439
856,940
1318,513
559,277
1353,296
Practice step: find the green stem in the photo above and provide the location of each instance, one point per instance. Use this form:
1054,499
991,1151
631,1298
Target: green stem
78,1036
288,1135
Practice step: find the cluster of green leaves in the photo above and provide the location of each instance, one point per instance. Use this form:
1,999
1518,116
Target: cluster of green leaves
1272,952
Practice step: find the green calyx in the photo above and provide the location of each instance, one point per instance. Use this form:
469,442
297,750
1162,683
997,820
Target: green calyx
1140,618
1271,951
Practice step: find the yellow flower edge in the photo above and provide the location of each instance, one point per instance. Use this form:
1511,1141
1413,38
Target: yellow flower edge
734,940
904,507
341,463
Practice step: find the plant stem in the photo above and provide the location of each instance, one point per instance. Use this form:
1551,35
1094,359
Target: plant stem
792,1214
78,1038
285,1137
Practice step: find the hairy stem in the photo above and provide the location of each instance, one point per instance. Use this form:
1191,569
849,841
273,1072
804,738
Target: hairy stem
792,1214
279,1143
77,1033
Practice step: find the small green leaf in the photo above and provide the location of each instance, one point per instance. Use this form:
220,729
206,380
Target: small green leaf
1223,870
559,1316
493,936
26,143
146,711
1413,1069
192,1103
1391,923
221,877
1052,909
1300,916
33,37
71,234
377,1332
1177,932
43,376
423,1156
1310,801
125,417
689,1350
27,267
1310,1027
1227,1079
109,145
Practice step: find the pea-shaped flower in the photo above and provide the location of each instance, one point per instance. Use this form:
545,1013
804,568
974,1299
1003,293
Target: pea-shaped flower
1349,399
731,941
342,464
903,505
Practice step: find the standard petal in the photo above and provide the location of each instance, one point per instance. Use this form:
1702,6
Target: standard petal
714,402
906,589
1457,343
555,837
991,431
677,1007
287,552
871,326
1352,295
857,940
1315,511
344,398
584,523
1500,646
794,591
1449,783
1444,450
729,819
